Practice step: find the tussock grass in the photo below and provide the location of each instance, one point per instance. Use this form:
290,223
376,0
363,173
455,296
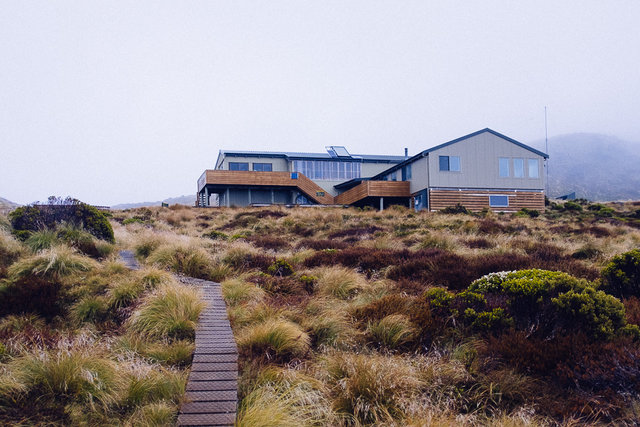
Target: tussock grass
91,308
237,291
69,376
123,293
42,239
54,263
10,249
338,282
146,243
371,388
181,258
172,311
153,385
151,278
393,331
167,352
160,414
285,404
277,337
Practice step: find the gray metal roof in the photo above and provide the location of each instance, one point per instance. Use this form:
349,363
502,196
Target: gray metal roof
312,156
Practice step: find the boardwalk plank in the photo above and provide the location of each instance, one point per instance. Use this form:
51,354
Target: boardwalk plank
208,407
208,396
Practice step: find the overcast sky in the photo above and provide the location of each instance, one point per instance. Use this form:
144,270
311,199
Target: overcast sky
114,101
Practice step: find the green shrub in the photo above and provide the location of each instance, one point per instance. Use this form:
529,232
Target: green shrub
531,213
280,268
621,277
215,235
595,312
457,209
58,211
572,206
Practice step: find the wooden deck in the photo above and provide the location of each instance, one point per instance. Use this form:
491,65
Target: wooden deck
374,189
212,387
266,179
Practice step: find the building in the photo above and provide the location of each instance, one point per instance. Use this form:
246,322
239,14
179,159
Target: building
484,169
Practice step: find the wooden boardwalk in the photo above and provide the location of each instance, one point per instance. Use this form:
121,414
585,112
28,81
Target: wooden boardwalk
212,387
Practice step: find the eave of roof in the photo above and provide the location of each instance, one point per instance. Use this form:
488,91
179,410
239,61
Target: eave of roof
317,156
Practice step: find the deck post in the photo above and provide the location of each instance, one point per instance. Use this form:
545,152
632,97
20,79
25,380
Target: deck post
381,203
227,199
206,197
273,197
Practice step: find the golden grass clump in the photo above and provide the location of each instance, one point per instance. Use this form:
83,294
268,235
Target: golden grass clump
372,388
172,311
71,376
146,243
285,404
393,331
158,414
237,291
338,282
10,249
54,263
41,239
274,337
189,260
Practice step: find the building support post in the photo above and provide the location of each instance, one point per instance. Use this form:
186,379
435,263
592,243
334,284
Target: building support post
206,197
249,195
381,203
273,197
227,200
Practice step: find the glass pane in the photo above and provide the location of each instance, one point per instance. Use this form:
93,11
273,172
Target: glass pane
499,201
518,168
454,163
444,163
534,168
356,170
504,167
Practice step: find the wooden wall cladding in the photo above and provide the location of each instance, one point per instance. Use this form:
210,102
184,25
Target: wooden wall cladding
374,189
476,200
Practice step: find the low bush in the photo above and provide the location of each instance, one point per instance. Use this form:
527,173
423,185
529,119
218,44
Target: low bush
172,311
268,242
215,235
57,211
242,258
319,245
280,268
621,277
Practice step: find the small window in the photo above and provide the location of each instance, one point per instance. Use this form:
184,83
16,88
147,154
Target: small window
407,172
262,167
518,168
534,166
393,176
503,166
449,163
499,201
238,166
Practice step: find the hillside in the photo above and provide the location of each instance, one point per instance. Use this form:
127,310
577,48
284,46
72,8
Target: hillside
7,205
180,200
596,167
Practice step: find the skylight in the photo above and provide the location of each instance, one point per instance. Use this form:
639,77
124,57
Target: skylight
338,151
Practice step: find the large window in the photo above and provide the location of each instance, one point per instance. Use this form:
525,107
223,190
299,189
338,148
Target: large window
534,168
327,169
238,166
262,167
450,163
406,172
499,201
503,166
518,168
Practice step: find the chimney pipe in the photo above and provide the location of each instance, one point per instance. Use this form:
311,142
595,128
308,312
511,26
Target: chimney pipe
406,153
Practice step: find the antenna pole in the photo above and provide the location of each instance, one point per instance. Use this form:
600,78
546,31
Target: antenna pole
546,148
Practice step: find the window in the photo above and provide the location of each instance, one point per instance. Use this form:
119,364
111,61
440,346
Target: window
329,170
450,163
518,168
262,167
534,168
503,166
393,176
406,173
499,201
238,166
